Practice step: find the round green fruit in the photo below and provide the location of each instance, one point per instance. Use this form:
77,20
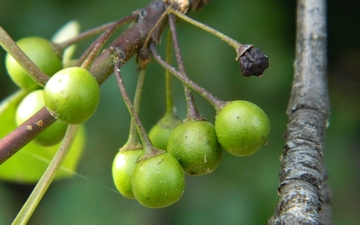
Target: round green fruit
41,52
72,95
194,144
31,104
242,128
122,170
160,133
159,181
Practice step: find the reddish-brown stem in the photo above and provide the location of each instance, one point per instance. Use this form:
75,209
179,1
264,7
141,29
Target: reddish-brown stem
24,133
130,41
89,55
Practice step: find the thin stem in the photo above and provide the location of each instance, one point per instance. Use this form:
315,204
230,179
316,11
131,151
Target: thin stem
87,34
192,110
46,179
13,49
147,146
235,44
90,54
134,141
168,86
217,103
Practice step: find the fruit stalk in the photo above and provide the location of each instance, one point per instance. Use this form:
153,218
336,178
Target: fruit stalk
45,181
145,141
168,86
217,103
192,110
133,141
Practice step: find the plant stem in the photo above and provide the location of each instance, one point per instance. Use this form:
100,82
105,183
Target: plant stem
90,33
303,190
24,133
11,47
192,110
90,54
168,86
46,179
217,103
147,146
235,44
156,26
134,141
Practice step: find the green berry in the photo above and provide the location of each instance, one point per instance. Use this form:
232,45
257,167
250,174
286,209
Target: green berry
242,128
122,170
41,52
159,181
160,133
72,95
31,104
194,144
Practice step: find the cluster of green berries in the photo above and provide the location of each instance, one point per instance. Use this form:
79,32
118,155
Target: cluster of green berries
193,147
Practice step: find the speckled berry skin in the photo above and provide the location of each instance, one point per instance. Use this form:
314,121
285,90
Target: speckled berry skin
159,181
242,128
194,144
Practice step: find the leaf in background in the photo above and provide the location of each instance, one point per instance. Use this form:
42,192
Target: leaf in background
28,165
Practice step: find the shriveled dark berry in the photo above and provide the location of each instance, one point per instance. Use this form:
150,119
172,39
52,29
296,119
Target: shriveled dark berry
253,62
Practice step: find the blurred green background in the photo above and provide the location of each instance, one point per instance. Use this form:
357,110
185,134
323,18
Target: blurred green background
241,190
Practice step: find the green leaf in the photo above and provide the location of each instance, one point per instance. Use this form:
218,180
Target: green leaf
28,164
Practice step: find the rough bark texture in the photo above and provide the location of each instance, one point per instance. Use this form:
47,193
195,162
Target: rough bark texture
304,195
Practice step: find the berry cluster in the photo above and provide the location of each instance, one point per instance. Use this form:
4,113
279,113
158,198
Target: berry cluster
150,167
193,146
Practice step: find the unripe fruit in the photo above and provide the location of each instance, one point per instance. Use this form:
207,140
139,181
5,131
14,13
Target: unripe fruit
41,52
122,171
160,133
31,104
158,181
194,144
242,128
72,95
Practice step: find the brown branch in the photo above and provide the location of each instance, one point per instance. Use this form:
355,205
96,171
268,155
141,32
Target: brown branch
24,133
130,41
304,195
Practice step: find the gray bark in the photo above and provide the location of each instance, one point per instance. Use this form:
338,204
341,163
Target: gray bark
304,194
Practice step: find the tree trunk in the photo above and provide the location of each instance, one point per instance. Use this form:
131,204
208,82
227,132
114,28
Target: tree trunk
304,194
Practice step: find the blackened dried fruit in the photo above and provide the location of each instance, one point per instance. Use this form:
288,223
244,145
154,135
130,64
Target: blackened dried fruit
253,62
